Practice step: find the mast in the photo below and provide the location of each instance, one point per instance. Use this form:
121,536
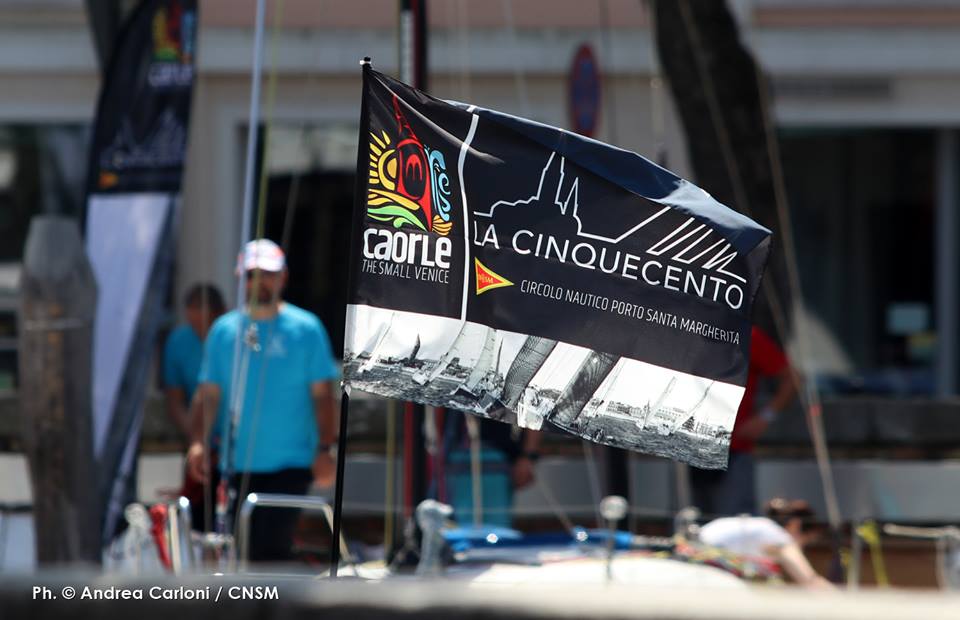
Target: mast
649,410
484,362
375,352
239,371
692,411
412,39
605,400
452,352
413,354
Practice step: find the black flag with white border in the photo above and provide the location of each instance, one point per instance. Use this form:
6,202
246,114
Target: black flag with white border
526,274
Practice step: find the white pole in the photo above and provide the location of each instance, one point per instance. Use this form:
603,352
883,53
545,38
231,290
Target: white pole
252,127
238,387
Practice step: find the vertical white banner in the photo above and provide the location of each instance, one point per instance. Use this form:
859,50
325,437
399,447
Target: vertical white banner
122,263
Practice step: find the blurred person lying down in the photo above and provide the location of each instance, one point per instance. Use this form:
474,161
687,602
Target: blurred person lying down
778,536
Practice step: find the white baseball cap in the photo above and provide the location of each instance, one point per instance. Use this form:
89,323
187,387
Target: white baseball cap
261,254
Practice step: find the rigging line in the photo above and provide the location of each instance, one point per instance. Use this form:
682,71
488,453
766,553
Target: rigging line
606,44
262,178
593,477
726,149
723,137
557,509
289,212
519,78
713,105
787,235
814,408
806,394
655,84
681,476
252,303
239,353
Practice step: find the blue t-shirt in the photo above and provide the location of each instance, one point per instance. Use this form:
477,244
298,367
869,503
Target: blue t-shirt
277,427
182,356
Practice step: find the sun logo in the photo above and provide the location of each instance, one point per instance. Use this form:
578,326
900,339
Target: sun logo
384,203
408,184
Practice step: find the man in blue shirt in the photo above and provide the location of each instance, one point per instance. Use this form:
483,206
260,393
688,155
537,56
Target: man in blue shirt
183,352
285,429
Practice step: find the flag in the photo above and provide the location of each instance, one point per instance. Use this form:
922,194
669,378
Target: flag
522,273
133,191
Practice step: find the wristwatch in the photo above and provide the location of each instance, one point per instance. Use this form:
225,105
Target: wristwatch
328,448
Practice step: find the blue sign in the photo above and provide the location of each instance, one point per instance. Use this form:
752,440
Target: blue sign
584,91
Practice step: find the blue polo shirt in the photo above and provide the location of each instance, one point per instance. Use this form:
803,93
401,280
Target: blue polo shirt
277,427
182,355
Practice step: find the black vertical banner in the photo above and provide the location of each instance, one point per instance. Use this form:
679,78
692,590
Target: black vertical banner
136,165
143,114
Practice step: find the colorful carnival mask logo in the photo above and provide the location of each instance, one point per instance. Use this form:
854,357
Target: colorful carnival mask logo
173,34
409,185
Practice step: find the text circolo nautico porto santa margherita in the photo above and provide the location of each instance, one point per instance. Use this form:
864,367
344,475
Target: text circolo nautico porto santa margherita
623,308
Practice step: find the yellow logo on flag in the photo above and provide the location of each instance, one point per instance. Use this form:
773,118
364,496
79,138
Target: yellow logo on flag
487,279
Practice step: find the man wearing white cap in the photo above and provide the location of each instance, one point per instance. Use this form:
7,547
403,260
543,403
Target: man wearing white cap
286,427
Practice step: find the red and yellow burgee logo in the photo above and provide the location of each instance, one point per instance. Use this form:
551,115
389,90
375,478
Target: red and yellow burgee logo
488,279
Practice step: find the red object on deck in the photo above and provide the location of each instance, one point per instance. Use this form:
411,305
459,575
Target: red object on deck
158,515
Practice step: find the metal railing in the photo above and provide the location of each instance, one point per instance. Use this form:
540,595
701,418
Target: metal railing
273,500
947,541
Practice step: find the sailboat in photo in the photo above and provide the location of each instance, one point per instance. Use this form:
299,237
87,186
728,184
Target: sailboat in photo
581,388
529,360
483,375
645,414
603,406
687,420
411,360
375,353
456,351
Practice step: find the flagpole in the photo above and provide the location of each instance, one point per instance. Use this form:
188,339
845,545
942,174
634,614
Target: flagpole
338,493
359,199
413,70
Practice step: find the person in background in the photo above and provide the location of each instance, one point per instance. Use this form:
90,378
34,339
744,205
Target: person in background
731,492
286,431
183,352
778,537
507,455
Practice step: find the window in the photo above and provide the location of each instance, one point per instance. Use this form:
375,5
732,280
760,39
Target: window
42,170
862,204
311,174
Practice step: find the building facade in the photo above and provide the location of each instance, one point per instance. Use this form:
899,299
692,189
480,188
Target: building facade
865,96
